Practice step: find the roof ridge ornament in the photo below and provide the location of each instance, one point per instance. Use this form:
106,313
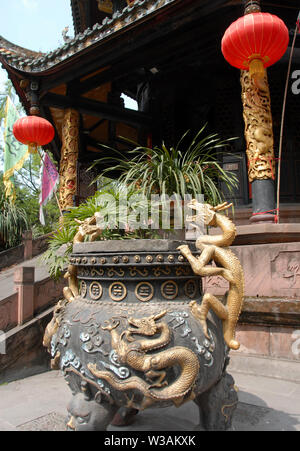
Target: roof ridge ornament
65,36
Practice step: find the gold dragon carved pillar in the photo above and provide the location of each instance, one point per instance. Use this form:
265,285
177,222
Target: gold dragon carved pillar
69,156
258,126
259,136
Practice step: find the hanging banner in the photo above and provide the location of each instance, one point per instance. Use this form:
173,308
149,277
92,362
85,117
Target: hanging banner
15,153
49,183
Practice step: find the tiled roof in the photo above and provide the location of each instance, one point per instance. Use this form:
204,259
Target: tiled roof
34,62
10,49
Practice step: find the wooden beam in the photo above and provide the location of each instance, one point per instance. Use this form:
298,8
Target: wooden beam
56,143
188,38
95,126
99,79
146,46
97,109
92,142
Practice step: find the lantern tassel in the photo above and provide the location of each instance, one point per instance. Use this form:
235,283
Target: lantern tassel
32,148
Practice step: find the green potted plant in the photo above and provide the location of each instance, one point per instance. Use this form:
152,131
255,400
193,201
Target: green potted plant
188,168
120,226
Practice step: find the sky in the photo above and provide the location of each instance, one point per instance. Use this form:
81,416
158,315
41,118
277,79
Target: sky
35,24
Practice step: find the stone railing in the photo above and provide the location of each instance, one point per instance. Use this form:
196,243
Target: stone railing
28,249
11,256
269,325
30,298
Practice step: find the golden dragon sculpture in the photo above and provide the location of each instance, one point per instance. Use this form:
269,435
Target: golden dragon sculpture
215,248
87,227
133,352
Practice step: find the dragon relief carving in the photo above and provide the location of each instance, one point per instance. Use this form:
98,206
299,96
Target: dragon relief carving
132,352
215,248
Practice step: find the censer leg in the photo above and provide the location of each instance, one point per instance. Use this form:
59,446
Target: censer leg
217,405
124,417
88,415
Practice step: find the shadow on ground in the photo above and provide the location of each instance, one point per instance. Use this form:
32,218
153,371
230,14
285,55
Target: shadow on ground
256,416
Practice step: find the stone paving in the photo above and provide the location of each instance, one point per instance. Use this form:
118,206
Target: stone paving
38,403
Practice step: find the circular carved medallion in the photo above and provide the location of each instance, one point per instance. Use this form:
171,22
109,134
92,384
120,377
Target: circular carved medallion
117,291
144,291
169,289
83,288
95,290
190,288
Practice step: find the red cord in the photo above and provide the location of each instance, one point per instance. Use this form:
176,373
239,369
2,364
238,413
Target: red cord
268,211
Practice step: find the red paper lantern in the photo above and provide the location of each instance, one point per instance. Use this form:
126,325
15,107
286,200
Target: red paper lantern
33,131
255,41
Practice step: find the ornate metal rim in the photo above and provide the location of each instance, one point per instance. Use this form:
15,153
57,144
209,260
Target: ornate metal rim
134,259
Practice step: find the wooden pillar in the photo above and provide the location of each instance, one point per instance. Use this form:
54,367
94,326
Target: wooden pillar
69,157
259,138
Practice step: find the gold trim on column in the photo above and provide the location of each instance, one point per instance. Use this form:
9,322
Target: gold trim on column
258,126
69,156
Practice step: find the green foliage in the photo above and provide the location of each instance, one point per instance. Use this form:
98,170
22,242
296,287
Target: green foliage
27,183
119,223
13,222
57,255
185,169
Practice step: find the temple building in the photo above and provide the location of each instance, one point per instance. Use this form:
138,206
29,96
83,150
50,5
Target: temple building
166,55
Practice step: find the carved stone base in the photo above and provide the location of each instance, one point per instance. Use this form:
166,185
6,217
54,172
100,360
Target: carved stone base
263,201
262,218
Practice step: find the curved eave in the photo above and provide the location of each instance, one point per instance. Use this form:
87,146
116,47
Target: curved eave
85,42
11,48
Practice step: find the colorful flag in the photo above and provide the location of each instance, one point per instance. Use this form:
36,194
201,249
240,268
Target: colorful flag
50,179
15,153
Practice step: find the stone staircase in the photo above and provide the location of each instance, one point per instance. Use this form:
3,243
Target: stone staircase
27,299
